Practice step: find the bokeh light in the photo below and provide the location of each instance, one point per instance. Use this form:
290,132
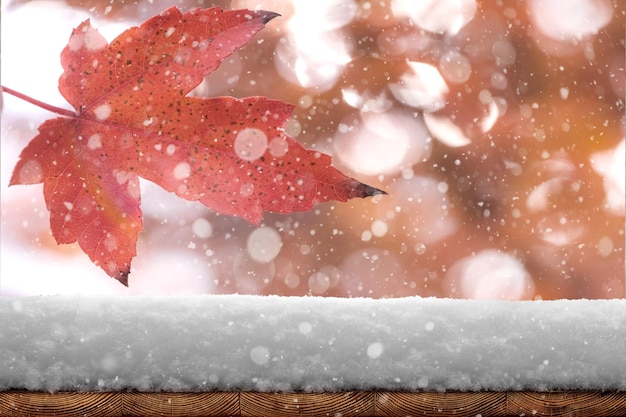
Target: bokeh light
496,127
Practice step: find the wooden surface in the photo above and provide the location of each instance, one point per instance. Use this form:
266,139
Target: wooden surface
345,404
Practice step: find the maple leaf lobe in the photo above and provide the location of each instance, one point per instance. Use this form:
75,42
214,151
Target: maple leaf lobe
134,119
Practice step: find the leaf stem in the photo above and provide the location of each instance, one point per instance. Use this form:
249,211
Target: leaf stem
46,106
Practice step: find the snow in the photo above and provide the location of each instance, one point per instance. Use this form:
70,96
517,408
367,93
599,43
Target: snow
182,170
202,228
236,342
455,67
95,141
264,244
250,143
278,146
103,111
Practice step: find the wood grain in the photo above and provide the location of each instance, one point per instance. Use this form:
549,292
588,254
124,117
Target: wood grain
441,404
572,403
350,403
345,404
200,404
31,404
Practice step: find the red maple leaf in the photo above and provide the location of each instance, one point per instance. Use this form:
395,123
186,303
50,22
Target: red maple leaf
133,119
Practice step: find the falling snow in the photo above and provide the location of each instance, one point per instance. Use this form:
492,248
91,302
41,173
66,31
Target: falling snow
250,143
264,244
520,170
453,224
169,31
103,111
202,228
278,146
182,170
94,141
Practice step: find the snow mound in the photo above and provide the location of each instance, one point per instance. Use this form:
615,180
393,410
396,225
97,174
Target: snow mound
311,344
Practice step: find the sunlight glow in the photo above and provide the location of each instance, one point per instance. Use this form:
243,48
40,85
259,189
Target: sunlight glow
610,164
423,87
571,20
383,143
445,17
490,274
315,51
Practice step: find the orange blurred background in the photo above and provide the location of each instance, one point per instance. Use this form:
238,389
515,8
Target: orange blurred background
496,127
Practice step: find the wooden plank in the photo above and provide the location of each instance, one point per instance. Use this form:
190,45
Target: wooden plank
180,404
350,403
345,404
471,404
570,403
89,404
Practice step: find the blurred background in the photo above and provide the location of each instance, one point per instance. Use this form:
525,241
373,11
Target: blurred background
496,127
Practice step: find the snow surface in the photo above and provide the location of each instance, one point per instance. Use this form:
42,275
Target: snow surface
235,342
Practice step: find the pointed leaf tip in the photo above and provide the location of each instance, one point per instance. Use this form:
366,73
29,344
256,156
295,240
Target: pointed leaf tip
357,189
123,277
269,16
369,191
